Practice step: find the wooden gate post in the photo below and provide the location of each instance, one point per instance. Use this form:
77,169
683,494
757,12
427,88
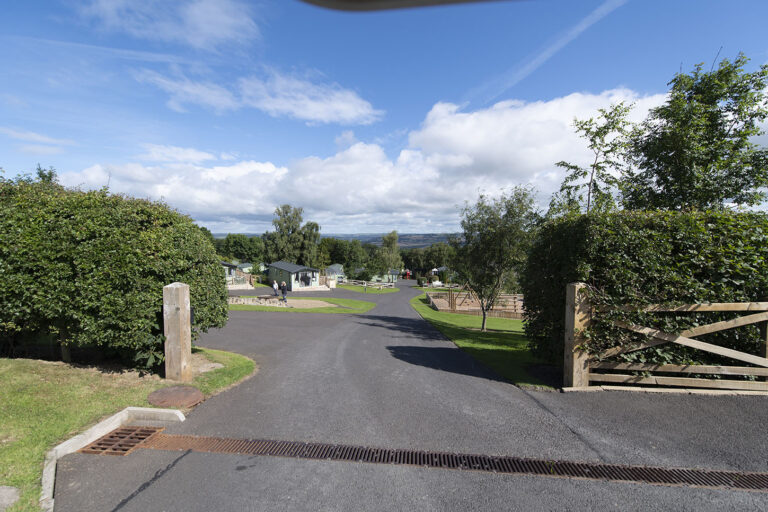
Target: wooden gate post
177,330
764,338
578,314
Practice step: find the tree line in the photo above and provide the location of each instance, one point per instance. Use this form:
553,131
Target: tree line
299,242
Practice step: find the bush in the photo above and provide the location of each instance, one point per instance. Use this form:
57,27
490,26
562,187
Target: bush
642,258
88,268
364,275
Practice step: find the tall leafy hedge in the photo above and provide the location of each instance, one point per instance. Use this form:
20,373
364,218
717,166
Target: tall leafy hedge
88,268
640,258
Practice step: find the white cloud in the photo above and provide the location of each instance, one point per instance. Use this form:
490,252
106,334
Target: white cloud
28,136
39,149
162,153
345,139
284,95
205,24
210,194
452,157
277,95
183,91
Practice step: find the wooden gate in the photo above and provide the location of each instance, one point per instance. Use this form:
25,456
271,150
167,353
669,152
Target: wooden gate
580,366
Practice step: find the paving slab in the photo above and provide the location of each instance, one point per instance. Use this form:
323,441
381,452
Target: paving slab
8,496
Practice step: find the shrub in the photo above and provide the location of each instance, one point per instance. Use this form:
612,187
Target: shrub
642,258
88,268
364,275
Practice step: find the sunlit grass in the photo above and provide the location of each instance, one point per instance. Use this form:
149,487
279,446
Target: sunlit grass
44,403
504,347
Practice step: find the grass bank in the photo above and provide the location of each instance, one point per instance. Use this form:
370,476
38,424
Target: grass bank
345,306
44,403
367,289
503,348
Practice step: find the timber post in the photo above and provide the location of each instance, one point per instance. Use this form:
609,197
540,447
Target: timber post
578,315
178,332
764,338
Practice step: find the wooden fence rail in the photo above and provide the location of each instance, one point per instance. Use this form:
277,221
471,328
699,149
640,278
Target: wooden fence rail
579,366
508,305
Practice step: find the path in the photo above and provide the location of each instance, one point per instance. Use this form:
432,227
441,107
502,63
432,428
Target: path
388,379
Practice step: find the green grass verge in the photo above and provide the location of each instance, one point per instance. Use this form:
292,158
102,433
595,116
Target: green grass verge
504,348
347,306
366,289
44,403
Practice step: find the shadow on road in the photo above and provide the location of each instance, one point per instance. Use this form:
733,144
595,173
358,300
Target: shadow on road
445,359
414,327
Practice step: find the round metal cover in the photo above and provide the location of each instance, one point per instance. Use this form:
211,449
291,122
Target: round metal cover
176,396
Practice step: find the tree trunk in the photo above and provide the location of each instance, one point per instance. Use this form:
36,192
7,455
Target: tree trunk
482,328
66,354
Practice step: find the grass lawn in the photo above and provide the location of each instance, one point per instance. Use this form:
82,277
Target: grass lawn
44,403
503,348
366,289
347,306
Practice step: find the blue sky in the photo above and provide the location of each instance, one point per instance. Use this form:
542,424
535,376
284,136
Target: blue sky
369,121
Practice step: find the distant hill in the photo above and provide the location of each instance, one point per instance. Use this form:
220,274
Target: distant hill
405,240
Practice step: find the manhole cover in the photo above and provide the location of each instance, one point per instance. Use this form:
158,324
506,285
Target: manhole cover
121,441
176,396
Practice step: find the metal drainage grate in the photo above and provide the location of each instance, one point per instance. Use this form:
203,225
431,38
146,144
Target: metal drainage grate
509,465
121,441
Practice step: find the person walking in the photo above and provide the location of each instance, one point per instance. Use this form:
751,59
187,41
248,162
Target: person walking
284,290
274,286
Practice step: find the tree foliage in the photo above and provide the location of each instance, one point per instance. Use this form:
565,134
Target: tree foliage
291,241
495,237
88,268
696,151
607,140
243,248
390,253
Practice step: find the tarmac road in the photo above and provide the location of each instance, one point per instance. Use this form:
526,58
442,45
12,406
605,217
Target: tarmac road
388,379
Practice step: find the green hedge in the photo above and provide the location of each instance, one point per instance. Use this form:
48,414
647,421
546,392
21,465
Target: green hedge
642,258
88,269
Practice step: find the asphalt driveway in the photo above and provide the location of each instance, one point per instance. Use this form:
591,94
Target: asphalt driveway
388,379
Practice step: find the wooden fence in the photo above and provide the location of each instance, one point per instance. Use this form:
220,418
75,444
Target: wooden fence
462,302
580,367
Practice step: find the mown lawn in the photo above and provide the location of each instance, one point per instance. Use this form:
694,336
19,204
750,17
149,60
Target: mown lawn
44,403
346,306
503,348
367,289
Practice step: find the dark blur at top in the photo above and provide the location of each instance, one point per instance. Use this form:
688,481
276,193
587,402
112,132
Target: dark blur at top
376,5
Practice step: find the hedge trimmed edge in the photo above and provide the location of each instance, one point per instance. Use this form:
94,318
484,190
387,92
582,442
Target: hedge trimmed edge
640,258
87,269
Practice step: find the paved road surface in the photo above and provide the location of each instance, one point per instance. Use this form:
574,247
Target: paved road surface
388,379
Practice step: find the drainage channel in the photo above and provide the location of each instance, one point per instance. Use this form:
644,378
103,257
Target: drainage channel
732,480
